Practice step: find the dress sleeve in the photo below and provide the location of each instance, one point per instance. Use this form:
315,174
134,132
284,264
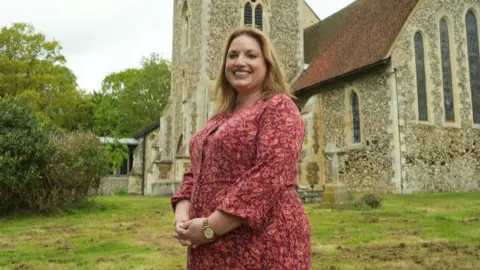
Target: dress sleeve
185,190
280,138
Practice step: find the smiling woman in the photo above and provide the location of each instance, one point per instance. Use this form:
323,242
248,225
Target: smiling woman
245,68
250,51
239,192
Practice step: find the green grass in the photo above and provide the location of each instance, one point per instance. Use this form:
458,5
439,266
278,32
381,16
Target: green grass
427,231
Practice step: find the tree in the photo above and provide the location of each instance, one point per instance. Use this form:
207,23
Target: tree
33,71
133,98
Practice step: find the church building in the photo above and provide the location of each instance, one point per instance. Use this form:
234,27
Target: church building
389,91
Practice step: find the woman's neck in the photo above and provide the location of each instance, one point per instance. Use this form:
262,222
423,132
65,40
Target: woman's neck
244,101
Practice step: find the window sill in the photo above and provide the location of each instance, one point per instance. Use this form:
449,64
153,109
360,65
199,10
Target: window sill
355,146
423,123
476,126
452,125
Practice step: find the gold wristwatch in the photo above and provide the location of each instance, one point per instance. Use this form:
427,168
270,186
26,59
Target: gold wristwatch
207,230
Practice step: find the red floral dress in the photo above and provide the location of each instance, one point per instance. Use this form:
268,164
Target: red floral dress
246,164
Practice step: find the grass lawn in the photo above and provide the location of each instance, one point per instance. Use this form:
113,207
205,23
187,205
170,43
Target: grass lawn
428,231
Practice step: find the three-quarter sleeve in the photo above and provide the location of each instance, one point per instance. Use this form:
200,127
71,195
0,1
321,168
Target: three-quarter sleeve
185,190
280,138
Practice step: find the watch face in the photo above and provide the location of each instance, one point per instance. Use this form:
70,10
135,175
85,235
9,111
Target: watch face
208,233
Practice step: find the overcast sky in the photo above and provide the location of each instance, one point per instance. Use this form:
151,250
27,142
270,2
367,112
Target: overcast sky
104,36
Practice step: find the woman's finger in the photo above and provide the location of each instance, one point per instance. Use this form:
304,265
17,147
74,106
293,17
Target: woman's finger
185,242
180,231
185,224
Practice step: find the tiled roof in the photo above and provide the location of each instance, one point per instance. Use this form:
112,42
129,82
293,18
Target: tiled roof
147,130
355,37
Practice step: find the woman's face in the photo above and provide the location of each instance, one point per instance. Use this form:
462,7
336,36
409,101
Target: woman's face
245,67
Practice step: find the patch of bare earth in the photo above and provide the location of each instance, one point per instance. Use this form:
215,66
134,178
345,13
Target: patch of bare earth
23,266
161,241
428,255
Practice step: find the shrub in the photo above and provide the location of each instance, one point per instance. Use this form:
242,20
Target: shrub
373,200
78,164
25,147
41,168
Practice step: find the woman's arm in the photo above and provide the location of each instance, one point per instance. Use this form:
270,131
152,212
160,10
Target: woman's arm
223,223
183,193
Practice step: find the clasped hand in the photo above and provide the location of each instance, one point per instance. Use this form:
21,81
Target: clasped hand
190,232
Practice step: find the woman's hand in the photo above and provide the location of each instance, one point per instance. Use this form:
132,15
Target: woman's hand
180,232
181,216
194,232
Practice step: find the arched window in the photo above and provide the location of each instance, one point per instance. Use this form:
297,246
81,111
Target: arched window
247,14
448,100
259,17
473,62
355,108
421,78
185,26
253,14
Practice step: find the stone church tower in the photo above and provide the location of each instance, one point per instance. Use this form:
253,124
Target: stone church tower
200,29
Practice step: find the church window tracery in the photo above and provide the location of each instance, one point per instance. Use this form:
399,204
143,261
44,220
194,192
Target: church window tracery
253,14
474,64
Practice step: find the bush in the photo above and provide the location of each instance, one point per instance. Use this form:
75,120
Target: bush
25,148
373,200
42,169
78,164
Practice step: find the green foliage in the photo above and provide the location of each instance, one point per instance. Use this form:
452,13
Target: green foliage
133,98
106,115
115,153
121,192
78,165
41,168
25,149
34,73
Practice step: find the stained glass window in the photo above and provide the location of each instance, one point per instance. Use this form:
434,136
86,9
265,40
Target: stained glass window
247,14
355,118
421,78
259,17
473,61
448,103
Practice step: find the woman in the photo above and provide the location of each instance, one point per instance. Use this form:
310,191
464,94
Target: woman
237,207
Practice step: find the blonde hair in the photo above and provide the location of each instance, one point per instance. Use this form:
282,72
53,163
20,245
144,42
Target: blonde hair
274,83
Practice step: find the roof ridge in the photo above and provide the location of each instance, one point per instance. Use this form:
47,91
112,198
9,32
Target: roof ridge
357,36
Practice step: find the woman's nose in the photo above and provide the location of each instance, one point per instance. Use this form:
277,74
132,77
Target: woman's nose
240,61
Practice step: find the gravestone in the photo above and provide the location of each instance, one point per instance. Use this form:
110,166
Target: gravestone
335,195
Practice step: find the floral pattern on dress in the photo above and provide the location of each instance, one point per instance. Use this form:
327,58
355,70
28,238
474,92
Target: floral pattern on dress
246,164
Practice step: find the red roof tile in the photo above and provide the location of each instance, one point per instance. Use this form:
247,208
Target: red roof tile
366,31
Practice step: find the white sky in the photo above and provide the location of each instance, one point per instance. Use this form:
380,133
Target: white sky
104,36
